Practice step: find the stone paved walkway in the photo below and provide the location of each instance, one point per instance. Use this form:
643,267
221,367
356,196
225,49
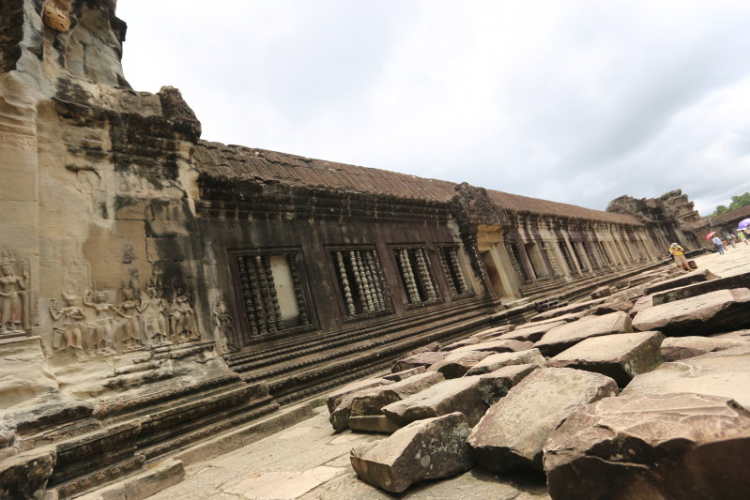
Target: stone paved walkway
309,462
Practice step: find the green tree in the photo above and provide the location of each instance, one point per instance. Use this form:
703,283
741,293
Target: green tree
739,201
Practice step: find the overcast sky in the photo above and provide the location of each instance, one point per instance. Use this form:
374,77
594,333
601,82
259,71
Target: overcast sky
573,101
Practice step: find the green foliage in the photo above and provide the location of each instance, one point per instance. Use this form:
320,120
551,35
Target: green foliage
738,201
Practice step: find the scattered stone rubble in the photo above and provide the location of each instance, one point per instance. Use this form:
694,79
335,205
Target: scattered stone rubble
631,395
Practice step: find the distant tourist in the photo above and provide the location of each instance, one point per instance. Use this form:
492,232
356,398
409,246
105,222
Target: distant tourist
678,253
731,239
742,236
719,244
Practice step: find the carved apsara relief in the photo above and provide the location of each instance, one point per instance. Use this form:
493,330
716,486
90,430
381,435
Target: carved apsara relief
141,320
14,299
223,326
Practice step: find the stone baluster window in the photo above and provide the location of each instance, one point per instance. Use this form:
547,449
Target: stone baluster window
571,268
271,293
414,269
360,281
515,259
453,274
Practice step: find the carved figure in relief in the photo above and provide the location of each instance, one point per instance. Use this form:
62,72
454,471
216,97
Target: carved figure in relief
153,311
223,325
69,334
103,332
186,324
13,298
131,331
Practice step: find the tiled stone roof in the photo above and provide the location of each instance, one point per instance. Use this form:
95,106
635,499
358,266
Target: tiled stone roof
731,216
240,162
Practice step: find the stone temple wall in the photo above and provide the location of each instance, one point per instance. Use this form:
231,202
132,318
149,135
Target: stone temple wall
157,289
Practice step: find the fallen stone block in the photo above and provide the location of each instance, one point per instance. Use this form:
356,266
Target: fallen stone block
572,308
677,348
494,332
334,398
685,279
513,431
620,304
425,359
621,356
456,395
724,373
497,361
685,292
456,364
562,337
431,347
426,449
497,345
534,331
399,376
461,343
640,304
651,447
714,312
497,384
600,292
373,423
26,475
370,401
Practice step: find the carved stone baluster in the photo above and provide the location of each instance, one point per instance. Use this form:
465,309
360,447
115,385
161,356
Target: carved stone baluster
345,284
376,280
462,286
371,281
371,305
424,274
247,297
274,294
297,283
260,313
447,273
265,289
411,285
359,282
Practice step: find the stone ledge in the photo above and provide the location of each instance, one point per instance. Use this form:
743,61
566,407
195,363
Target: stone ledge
241,437
159,476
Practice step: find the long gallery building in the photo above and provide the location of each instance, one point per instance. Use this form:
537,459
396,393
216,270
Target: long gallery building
158,289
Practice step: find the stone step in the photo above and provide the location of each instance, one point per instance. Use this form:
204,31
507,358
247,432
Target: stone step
291,349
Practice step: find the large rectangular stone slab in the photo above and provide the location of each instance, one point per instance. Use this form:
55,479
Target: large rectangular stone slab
685,292
426,449
714,312
677,348
456,364
686,279
572,308
514,430
455,395
497,345
724,373
620,356
498,383
651,447
497,361
562,337
370,401
533,331
335,397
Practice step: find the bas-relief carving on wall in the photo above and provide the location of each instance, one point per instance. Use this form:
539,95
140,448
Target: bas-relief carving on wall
14,299
223,326
140,321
